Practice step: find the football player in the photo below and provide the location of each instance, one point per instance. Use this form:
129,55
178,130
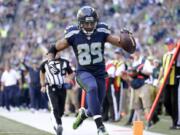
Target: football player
87,40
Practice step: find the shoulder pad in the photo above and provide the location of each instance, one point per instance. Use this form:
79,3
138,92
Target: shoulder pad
103,27
103,24
71,30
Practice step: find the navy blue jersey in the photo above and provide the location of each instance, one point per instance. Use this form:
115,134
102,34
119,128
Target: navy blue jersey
89,50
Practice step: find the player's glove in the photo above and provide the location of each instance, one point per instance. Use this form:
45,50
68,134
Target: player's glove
52,67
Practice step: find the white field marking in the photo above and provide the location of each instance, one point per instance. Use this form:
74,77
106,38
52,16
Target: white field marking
42,121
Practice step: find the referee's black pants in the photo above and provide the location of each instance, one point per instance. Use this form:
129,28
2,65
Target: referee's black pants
171,102
57,98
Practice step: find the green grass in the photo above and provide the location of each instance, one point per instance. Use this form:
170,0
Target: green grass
10,127
161,127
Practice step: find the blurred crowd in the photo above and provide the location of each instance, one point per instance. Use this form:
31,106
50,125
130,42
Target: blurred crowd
29,27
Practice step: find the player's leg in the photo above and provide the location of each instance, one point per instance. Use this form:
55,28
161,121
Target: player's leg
98,118
88,82
95,92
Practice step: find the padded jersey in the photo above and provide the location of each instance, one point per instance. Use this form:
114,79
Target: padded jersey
89,50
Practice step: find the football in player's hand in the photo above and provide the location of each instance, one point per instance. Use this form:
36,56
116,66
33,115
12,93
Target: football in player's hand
127,42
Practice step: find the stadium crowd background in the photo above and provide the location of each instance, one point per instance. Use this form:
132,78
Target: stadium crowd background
29,27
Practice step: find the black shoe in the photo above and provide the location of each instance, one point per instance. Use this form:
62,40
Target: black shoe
59,130
172,128
175,127
149,125
155,120
178,127
102,131
152,123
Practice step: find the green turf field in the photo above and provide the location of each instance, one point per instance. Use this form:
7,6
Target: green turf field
10,127
161,127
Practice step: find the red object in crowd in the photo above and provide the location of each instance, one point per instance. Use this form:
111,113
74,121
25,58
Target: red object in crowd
83,96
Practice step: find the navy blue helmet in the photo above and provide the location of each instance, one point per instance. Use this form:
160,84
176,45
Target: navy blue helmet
87,19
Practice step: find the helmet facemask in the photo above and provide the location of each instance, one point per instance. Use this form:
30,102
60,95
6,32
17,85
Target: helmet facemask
88,26
87,19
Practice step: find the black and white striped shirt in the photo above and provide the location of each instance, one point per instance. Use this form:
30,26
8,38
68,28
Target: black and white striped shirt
56,79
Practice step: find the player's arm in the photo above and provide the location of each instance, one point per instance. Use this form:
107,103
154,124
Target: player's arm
126,41
60,45
114,40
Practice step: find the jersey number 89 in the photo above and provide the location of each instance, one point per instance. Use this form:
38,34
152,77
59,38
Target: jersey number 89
85,53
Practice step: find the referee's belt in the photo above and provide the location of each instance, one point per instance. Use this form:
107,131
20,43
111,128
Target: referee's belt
59,86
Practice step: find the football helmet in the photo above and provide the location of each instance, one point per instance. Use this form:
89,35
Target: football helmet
87,19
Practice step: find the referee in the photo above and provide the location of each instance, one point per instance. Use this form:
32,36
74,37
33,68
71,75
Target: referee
53,80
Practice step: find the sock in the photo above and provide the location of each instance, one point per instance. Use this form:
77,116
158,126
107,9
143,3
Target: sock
98,120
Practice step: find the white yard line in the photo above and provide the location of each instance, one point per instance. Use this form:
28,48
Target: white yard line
41,120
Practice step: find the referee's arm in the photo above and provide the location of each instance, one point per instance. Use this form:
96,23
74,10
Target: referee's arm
42,78
42,81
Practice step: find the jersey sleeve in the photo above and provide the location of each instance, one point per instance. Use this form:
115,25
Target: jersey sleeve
104,28
70,32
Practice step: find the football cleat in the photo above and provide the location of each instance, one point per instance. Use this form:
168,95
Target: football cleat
80,118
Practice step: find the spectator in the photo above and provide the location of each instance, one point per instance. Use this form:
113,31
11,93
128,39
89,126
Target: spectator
10,80
108,106
171,88
34,85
